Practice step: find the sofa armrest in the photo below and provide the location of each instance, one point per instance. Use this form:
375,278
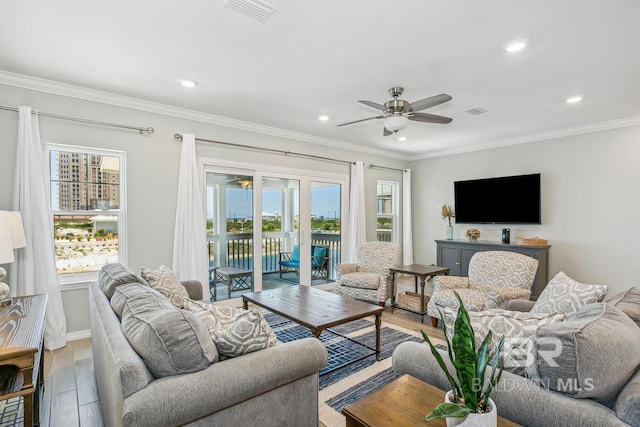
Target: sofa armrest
181,399
450,282
519,305
498,298
194,289
345,269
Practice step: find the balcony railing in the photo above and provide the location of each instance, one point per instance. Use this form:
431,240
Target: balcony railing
239,250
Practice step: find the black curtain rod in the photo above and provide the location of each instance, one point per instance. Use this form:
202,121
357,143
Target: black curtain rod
272,150
142,130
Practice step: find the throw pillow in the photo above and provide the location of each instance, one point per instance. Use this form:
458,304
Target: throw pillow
518,328
127,291
295,254
170,341
567,295
164,281
234,331
628,301
115,274
592,354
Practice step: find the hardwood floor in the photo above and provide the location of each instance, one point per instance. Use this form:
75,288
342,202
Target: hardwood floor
71,397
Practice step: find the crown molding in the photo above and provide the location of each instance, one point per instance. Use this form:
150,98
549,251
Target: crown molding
78,92
537,137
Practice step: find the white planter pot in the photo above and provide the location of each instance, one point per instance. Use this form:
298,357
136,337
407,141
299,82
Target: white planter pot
488,419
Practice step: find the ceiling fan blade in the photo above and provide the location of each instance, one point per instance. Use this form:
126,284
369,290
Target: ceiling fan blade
429,118
361,120
427,102
386,132
374,105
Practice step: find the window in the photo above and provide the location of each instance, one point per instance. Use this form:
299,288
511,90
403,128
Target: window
87,198
387,229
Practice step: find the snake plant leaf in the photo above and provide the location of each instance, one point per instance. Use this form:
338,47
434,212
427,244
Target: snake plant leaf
463,342
483,358
449,346
443,366
448,410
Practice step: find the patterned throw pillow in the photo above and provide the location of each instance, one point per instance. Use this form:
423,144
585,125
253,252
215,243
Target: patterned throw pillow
164,281
567,295
234,331
518,328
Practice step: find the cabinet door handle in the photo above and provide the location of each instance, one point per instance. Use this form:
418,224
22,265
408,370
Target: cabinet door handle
457,263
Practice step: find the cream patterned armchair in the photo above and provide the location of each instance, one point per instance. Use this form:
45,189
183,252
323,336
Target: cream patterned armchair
368,278
495,277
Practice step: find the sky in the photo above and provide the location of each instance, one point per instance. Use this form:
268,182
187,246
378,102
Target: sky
325,201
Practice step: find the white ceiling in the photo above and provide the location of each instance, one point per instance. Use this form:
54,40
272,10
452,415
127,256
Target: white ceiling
313,58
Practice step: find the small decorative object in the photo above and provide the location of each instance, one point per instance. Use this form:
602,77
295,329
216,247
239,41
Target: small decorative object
11,237
468,402
473,234
448,213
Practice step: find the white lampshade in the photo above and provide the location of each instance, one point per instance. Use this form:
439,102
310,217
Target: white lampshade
395,123
11,235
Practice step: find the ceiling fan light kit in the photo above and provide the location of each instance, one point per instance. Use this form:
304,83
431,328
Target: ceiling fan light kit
397,112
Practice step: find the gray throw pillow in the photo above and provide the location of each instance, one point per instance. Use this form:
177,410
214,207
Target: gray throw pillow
234,331
170,341
164,281
567,295
113,275
592,354
628,301
124,293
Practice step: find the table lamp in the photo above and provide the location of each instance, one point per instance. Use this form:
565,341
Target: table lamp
11,237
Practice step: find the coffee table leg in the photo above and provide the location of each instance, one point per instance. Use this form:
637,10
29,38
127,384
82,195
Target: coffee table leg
378,323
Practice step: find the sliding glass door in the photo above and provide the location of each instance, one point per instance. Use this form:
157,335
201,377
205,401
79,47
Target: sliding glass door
267,230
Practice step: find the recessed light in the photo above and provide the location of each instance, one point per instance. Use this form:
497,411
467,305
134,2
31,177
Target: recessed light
574,99
188,83
323,118
402,138
515,46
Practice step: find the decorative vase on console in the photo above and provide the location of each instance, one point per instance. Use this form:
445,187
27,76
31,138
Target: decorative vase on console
448,213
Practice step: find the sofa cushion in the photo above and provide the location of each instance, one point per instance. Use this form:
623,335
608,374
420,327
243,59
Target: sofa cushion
628,301
518,328
567,295
170,341
164,281
234,331
361,280
115,274
127,291
592,354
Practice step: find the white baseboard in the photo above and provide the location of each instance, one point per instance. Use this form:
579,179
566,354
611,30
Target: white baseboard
79,335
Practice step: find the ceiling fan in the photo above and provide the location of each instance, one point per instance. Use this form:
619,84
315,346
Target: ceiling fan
398,112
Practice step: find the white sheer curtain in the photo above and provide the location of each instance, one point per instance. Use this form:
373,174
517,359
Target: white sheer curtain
190,260
34,271
357,220
407,227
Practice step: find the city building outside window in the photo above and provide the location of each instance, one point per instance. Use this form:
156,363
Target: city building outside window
387,212
87,195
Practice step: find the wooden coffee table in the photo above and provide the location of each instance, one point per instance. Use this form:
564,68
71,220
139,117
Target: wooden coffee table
315,309
404,402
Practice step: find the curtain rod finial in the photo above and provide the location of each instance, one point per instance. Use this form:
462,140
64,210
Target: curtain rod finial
177,136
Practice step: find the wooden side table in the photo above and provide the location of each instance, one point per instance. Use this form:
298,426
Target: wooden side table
21,344
404,402
418,271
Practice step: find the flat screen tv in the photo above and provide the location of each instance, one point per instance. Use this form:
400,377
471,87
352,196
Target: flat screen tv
503,200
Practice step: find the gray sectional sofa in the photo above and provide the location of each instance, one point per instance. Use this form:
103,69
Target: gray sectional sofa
276,386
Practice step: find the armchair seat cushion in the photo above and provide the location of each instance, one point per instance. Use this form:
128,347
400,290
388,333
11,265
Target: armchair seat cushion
361,280
290,264
473,299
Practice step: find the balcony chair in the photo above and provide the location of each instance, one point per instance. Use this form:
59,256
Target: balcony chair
368,278
495,278
290,261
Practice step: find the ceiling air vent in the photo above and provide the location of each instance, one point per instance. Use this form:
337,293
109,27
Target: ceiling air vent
476,111
256,9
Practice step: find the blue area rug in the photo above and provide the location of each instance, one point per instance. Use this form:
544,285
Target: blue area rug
342,350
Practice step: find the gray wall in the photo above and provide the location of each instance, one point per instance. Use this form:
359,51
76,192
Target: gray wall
153,167
590,201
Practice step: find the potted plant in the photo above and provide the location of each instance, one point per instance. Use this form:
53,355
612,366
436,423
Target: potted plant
448,213
468,398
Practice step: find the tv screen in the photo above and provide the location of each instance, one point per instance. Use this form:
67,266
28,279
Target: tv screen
503,200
